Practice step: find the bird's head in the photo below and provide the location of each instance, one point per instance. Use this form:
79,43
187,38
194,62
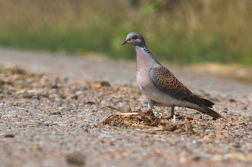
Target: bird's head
134,39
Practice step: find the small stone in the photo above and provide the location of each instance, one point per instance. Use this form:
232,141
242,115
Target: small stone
55,83
214,99
66,80
59,103
2,75
54,90
180,117
237,144
9,135
116,99
89,102
216,157
54,86
28,95
232,100
13,111
250,127
84,87
97,85
22,105
224,111
202,128
231,113
196,157
189,118
77,93
124,109
218,127
105,83
76,158
55,112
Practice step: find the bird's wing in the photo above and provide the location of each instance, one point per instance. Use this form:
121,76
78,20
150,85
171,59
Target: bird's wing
168,83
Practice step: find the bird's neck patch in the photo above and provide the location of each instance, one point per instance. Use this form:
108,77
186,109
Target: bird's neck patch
146,50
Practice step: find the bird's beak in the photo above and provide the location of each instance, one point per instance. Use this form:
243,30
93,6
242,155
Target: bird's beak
124,42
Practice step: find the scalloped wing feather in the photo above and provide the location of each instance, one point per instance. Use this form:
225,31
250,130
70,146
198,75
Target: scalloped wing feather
168,83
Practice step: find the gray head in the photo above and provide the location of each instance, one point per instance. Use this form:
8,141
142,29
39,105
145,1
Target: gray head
134,39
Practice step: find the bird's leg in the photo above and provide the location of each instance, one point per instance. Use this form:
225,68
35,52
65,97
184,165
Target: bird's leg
172,114
150,104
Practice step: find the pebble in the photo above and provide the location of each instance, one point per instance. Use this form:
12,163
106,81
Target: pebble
125,108
218,127
3,75
84,87
116,100
89,102
22,105
28,95
250,127
232,100
78,93
216,99
9,136
231,113
76,159
105,83
60,103
97,85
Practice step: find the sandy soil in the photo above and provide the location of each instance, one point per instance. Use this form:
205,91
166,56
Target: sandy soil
56,119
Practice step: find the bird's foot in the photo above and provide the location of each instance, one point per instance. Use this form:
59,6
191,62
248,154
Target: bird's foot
172,117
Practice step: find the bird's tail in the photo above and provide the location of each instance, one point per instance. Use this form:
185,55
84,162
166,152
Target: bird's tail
202,105
207,103
210,112
204,109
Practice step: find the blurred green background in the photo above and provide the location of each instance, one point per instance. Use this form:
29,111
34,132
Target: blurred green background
177,31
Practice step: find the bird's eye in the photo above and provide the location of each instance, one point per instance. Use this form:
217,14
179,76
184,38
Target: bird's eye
134,37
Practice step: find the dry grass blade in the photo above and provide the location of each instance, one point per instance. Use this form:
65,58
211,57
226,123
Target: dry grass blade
149,120
133,119
139,120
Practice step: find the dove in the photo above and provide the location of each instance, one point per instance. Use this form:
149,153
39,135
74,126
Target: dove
160,86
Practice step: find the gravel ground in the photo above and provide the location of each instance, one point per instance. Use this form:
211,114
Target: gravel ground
58,110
